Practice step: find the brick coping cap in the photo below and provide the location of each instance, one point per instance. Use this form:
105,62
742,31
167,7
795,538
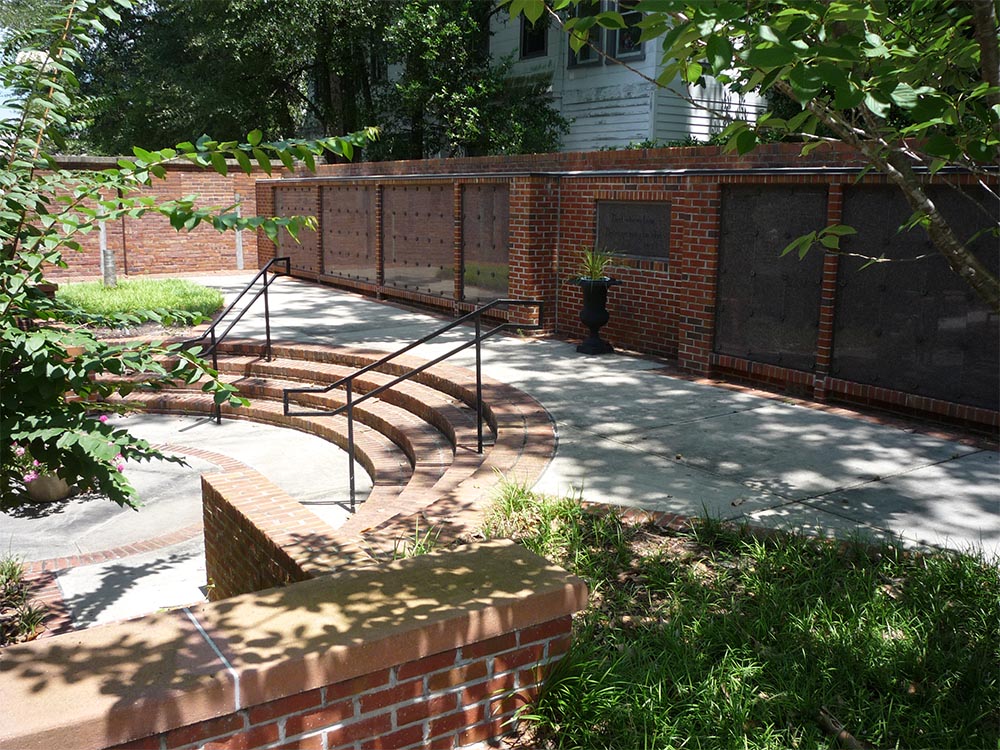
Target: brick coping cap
114,683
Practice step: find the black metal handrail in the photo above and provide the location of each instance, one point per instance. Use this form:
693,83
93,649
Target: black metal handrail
216,339
348,380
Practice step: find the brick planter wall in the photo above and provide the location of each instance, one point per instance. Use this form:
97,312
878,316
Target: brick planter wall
432,652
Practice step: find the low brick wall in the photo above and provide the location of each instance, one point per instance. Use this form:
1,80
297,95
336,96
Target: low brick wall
435,651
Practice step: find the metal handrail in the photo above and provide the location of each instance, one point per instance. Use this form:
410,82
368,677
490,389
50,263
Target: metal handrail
348,380
216,340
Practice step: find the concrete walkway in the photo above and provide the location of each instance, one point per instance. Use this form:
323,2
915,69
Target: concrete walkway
628,434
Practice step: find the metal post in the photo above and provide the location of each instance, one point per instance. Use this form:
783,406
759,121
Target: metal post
479,387
215,366
350,440
267,321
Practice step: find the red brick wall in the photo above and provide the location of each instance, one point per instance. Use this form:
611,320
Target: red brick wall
664,308
149,245
445,700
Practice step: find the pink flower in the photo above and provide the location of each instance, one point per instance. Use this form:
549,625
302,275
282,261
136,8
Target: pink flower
103,418
31,476
120,467
119,457
18,450
34,462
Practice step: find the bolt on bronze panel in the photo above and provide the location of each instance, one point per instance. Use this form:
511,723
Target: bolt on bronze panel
485,253
418,238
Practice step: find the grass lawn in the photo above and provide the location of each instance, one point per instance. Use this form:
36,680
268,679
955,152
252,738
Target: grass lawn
166,297
714,638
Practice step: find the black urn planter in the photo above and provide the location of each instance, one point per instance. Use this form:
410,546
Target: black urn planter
594,314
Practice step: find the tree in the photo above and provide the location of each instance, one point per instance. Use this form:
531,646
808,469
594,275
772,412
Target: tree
48,393
913,87
310,67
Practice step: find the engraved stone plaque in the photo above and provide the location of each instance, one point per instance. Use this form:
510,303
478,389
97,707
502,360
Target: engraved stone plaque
634,228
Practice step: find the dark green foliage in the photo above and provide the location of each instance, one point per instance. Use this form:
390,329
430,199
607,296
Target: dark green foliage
311,67
713,638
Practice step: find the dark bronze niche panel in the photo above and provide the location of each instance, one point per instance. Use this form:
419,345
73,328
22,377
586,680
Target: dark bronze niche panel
418,236
914,325
634,228
485,220
293,200
349,231
768,306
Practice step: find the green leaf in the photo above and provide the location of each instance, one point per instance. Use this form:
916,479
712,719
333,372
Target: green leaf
719,51
244,161
262,160
254,138
693,72
746,141
610,20
878,108
219,163
840,230
767,58
805,82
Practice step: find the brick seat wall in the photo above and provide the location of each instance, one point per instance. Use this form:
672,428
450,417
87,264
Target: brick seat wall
433,651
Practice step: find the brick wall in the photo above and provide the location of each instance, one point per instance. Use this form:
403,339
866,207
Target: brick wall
664,307
436,651
149,245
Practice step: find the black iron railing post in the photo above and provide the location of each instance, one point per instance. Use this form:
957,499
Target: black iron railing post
267,322
350,440
479,385
215,366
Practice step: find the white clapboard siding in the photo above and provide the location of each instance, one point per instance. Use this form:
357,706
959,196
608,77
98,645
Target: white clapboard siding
610,106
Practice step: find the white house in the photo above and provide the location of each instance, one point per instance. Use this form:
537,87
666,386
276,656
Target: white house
608,105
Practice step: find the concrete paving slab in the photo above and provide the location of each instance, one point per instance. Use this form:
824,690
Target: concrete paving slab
809,520
137,585
951,504
618,473
312,470
171,500
797,452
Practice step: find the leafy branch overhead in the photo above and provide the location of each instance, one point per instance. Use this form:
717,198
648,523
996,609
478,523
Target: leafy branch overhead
52,367
913,88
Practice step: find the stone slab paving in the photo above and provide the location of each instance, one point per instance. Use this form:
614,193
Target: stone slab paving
629,434
172,574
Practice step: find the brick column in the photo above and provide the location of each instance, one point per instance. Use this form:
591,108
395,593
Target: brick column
533,223
266,249
698,258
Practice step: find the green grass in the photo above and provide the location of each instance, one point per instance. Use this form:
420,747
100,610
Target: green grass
166,297
715,638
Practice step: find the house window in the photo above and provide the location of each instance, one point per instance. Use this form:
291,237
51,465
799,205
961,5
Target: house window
588,55
534,37
626,44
